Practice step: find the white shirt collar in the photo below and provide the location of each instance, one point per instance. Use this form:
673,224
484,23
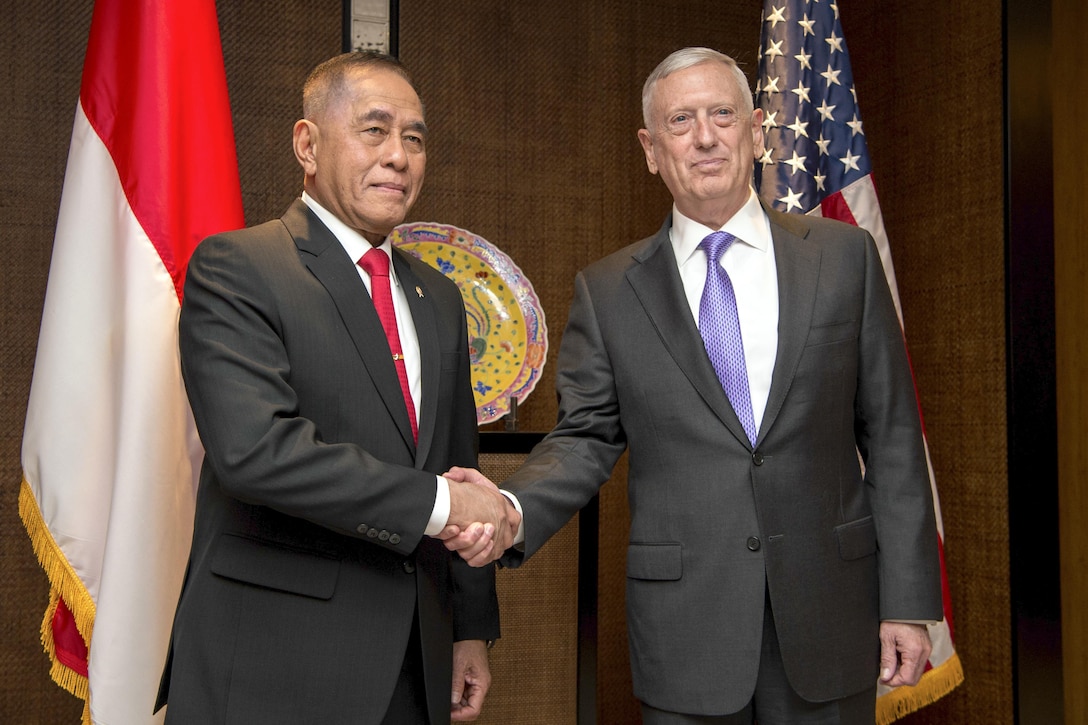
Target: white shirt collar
354,243
749,225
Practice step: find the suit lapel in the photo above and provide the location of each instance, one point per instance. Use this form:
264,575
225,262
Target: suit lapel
798,269
656,282
325,257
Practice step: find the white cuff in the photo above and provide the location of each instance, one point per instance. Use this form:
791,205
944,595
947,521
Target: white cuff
440,514
519,538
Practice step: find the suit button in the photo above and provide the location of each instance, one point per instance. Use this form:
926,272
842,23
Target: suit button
409,567
757,458
372,533
362,528
753,543
383,535
394,539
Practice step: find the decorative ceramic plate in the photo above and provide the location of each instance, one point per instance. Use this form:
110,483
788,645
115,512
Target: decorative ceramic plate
508,341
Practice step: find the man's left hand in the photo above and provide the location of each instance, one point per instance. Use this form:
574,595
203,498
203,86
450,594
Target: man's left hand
471,679
904,651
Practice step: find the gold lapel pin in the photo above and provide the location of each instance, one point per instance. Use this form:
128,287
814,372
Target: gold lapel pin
419,292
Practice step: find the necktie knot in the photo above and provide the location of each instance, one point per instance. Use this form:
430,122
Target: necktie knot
375,262
715,244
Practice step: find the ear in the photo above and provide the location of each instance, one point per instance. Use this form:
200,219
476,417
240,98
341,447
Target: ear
647,142
757,132
304,142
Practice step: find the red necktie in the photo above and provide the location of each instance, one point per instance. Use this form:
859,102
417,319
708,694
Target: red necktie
376,264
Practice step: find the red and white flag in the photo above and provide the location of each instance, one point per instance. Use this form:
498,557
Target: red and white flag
816,161
110,453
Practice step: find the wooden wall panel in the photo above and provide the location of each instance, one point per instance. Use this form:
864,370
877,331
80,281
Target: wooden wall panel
535,665
1068,68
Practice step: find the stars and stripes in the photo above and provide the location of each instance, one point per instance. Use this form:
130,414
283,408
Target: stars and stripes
814,139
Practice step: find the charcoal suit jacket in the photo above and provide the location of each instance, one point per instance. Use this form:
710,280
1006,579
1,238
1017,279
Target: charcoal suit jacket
309,564
717,524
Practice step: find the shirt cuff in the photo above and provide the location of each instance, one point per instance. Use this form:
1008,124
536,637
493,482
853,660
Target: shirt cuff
519,538
440,514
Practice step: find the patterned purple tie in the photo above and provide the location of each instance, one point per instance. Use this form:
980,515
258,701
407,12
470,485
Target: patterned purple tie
720,328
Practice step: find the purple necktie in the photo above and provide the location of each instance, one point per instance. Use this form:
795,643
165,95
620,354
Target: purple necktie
720,328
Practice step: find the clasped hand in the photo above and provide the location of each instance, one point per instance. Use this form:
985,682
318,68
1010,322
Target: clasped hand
483,522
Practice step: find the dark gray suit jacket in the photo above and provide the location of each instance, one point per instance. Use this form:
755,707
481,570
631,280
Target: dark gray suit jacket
716,524
308,560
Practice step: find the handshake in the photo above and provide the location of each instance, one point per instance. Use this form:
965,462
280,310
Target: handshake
483,522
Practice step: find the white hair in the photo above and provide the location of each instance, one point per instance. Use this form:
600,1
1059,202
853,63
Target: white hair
686,58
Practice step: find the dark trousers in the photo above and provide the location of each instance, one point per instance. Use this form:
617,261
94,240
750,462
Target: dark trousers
774,701
409,703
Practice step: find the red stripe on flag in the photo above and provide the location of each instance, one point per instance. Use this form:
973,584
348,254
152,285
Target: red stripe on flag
68,644
946,591
835,207
143,55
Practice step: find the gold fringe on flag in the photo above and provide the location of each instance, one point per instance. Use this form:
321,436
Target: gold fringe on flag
934,685
65,584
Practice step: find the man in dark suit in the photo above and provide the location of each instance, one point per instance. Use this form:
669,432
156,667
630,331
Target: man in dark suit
770,577
316,591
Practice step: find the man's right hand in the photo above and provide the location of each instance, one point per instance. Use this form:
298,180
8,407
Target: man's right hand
482,522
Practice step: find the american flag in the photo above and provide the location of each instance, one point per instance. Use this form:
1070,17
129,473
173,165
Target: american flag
815,158
816,161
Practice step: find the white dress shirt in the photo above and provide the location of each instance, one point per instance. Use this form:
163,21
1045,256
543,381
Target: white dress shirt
356,245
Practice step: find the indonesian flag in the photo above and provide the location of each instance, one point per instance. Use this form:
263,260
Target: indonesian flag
110,453
816,161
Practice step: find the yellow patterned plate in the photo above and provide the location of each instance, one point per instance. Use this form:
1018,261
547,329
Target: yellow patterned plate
508,340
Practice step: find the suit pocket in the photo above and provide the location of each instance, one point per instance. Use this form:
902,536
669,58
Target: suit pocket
834,332
659,562
857,539
275,567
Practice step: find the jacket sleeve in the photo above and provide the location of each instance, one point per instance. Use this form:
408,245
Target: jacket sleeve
567,468
889,438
